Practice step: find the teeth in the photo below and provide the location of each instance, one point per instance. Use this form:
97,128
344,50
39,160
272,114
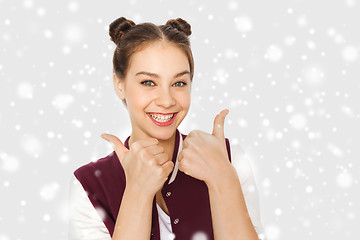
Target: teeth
161,118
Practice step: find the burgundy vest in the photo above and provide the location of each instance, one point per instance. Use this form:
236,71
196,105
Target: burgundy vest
186,198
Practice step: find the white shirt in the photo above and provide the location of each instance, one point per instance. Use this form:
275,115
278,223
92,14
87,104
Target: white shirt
86,222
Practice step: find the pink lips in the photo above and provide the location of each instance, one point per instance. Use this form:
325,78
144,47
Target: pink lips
162,124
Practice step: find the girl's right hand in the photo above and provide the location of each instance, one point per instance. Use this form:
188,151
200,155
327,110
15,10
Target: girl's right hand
146,165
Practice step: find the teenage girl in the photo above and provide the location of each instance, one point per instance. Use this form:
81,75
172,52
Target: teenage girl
162,184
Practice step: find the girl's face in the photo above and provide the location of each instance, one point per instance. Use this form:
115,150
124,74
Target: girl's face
157,81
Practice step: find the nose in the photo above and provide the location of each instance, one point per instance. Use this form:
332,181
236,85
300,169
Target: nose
165,98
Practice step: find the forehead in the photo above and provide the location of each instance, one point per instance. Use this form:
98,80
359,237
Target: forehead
161,58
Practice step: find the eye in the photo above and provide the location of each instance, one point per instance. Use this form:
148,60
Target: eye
183,83
147,81
150,83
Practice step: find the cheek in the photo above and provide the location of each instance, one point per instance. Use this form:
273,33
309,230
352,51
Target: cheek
138,99
186,100
183,97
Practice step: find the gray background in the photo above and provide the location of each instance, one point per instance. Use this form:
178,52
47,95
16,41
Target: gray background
287,70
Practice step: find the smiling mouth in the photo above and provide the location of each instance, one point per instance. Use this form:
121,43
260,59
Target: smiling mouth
160,117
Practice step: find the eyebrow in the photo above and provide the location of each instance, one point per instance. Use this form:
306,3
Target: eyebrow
157,76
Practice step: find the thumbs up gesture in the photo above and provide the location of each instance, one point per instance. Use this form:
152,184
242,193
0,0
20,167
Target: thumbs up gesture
204,156
146,165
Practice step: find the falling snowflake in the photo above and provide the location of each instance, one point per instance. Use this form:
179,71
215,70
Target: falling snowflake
171,236
32,145
344,180
335,150
243,23
49,191
4,237
199,236
9,163
73,33
101,212
46,217
314,75
302,20
25,90
63,101
28,3
273,53
73,6
272,232
350,53
289,40
41,11
232,5
298,121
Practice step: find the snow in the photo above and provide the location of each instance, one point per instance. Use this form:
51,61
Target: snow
314,75
49,191
32,145
28,3
298,121
243,23
46,217
344,180
288,71
62,101
309,189
4,237
25,90
73,33
232,5
350,53
73,6
9,163
41,11
302,20
289,40
274,53
48,33
278,211
199,236
66,49
272,232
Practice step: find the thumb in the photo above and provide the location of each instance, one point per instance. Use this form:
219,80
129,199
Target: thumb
218,130
116,144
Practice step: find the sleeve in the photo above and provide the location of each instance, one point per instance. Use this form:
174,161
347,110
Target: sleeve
242,165
85,222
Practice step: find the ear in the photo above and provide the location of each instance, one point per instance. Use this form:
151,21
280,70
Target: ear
119,87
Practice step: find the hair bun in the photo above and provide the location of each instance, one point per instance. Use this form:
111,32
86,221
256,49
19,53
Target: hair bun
118,28
180,24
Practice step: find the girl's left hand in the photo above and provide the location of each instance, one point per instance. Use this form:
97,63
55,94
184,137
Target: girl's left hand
204,156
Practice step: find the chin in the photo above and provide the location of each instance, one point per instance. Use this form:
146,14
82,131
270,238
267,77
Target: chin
164,135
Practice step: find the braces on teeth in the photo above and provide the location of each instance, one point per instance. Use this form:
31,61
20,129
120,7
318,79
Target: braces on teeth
158,118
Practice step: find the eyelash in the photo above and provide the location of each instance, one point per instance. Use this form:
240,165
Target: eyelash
184,83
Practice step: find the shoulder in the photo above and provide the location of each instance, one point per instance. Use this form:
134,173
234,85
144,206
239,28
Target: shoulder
104,173
243,165
98,163
84,219
241,162
98,167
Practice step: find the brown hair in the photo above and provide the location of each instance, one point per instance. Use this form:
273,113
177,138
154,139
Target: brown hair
130,37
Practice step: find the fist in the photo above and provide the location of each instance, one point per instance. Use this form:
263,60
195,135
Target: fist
146,165
204,156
